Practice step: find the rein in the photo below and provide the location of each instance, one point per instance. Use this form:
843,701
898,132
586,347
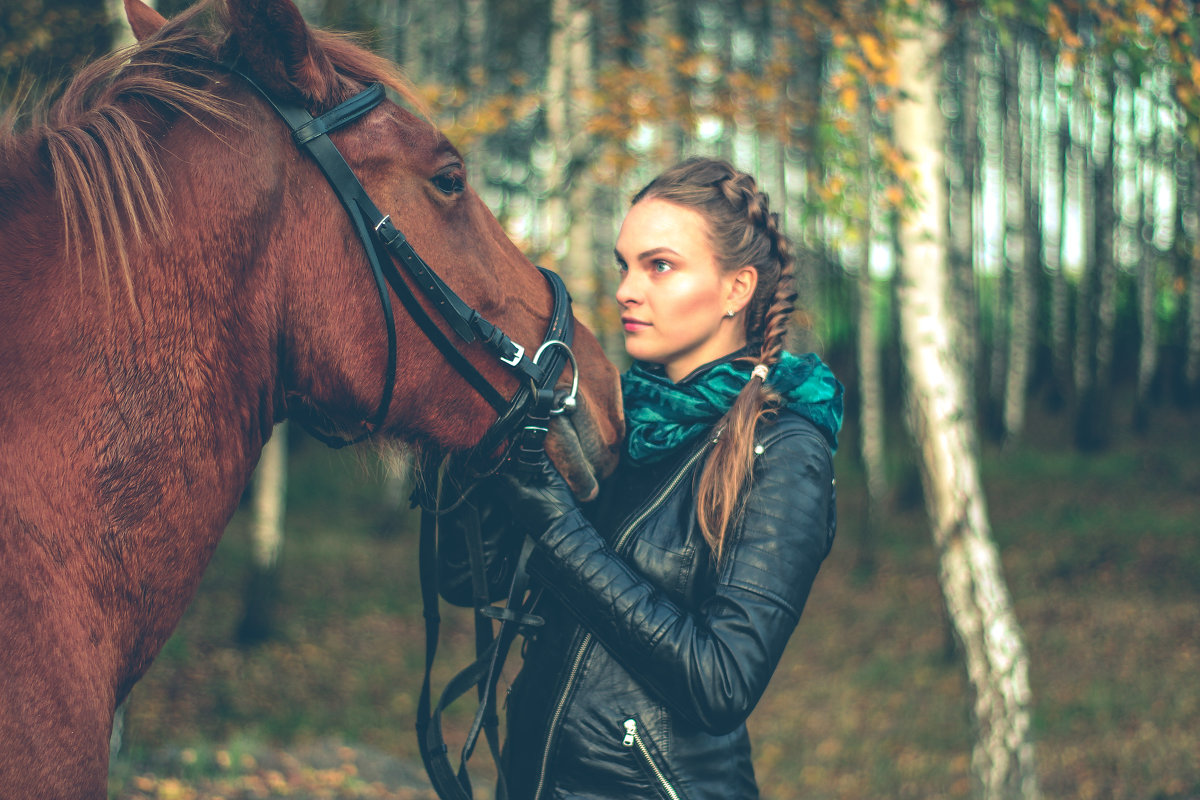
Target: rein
529,410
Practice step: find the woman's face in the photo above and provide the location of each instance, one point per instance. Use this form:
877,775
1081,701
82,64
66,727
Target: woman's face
673,295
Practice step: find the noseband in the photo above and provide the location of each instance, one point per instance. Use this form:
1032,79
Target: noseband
535,400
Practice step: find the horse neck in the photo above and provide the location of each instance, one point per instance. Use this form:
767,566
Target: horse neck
141,407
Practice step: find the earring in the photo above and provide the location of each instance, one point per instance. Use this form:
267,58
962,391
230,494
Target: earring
729,313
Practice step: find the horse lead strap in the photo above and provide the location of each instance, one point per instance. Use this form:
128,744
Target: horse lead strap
382,239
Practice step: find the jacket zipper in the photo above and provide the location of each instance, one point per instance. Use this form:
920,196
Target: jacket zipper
632,737
587,638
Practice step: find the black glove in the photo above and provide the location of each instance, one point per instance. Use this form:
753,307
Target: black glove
538,498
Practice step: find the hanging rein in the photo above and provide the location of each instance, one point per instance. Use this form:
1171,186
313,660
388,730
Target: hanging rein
522,422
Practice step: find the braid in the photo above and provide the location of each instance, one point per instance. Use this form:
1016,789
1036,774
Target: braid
743,231
783,303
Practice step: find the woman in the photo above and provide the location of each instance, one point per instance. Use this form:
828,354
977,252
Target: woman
669,601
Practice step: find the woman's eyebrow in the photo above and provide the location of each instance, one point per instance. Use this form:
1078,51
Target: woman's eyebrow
654,251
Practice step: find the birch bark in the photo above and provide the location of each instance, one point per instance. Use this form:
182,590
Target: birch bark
969,566
1192,360
870,367
266,537
1017,242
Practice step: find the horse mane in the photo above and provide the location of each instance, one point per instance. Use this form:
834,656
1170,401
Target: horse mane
96,139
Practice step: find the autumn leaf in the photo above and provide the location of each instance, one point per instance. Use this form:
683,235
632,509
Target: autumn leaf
848,98
872,49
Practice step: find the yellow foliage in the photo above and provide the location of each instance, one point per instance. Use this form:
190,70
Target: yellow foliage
848,98
873,50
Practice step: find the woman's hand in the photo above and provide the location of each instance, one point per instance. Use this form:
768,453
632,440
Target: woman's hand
538,498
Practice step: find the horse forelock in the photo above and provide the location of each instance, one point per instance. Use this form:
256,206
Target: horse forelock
97,137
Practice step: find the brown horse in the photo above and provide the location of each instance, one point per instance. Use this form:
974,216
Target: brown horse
176,277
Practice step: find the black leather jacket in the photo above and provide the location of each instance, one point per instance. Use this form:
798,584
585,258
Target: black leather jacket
652,657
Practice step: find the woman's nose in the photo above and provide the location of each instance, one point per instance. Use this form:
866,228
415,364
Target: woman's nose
627,291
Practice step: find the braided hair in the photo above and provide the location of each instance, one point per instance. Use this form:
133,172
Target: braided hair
743,231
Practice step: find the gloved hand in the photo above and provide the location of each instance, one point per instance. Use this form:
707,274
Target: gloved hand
538,498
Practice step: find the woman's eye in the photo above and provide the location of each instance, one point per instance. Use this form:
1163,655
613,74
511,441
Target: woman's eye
450,181
662,266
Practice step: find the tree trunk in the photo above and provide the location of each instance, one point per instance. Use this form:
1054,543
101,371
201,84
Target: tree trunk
1191,371
660,28
1091,182
976,596
1147,286
583,269
558,132
963,74
870,367
1058,148
1018,242
1104,222
266,536
996,281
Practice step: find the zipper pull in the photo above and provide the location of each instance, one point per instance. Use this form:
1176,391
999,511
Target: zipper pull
630,732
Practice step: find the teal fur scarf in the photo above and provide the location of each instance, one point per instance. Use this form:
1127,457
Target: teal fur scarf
660,416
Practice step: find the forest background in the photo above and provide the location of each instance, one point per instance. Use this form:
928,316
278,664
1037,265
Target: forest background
1068,231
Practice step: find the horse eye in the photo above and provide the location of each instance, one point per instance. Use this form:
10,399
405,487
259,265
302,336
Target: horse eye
450,181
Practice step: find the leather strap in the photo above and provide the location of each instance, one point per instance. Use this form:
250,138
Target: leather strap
483,673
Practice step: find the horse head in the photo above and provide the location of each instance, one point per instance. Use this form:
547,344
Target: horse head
333,345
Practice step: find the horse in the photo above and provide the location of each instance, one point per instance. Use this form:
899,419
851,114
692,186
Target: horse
176,278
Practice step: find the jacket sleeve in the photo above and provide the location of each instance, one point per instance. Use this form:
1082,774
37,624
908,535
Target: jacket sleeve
712,663
500,537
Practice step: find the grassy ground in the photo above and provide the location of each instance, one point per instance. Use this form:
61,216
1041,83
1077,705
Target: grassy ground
1101,553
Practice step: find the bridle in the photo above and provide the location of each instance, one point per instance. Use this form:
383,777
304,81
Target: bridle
523,421
535,400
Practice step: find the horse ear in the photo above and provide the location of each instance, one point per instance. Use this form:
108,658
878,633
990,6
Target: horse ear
277,47
143,19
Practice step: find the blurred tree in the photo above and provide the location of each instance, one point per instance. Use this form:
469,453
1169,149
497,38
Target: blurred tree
1019,240
1190,247
969,565
962,80
266,540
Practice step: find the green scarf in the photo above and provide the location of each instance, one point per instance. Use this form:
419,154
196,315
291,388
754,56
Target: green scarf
660,416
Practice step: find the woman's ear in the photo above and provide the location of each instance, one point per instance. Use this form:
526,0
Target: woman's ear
742,284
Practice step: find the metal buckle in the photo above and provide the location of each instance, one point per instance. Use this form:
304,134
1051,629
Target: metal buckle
516,359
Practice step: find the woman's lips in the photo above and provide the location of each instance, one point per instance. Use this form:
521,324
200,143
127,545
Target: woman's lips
634,325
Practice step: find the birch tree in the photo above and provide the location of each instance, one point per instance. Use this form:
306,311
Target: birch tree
1191,370
1019,249
973,586
571,180
266,538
